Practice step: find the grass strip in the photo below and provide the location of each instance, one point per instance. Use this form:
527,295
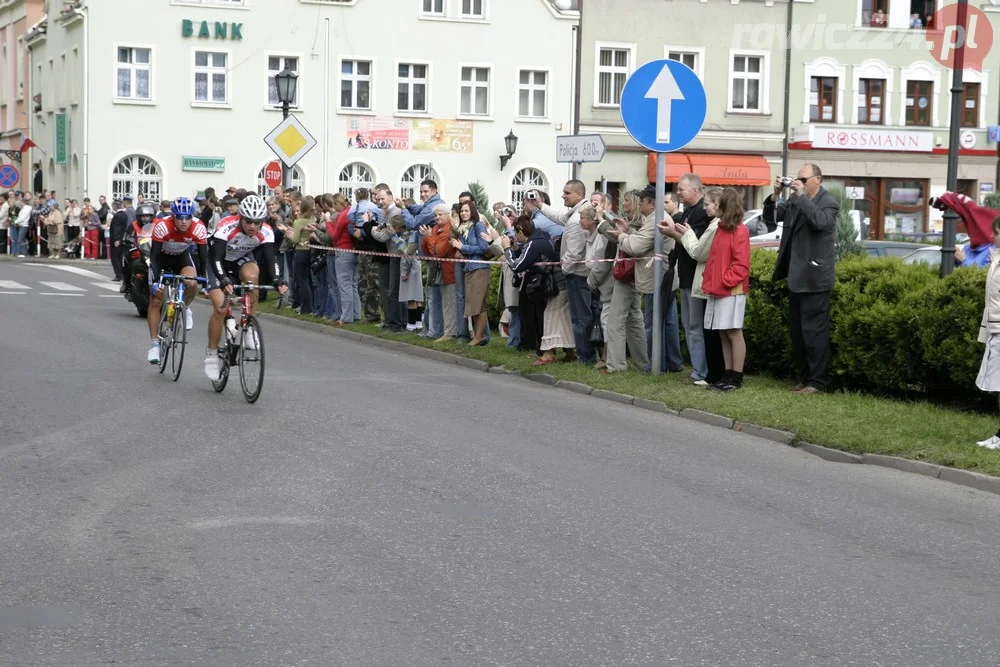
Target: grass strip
848,421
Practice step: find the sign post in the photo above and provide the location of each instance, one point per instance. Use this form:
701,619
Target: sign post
663,107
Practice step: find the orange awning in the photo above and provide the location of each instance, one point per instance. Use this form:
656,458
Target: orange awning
677,165
714,168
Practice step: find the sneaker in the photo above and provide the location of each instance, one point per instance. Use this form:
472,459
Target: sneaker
991,443
411,327
188,319
212,367
250,340
700,383
153,356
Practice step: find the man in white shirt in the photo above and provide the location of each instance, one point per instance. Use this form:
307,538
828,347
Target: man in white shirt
22,222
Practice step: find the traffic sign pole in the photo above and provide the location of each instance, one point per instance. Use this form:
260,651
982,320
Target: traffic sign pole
661,177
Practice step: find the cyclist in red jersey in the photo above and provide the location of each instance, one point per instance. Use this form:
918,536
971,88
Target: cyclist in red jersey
174,238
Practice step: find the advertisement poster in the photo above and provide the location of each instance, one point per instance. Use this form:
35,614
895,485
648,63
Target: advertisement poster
378,132
432,134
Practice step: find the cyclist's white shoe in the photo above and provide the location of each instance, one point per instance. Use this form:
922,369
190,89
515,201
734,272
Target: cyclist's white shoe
212,365
153,356
250,340
188,319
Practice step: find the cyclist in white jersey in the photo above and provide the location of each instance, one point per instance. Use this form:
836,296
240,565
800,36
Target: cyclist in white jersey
242,251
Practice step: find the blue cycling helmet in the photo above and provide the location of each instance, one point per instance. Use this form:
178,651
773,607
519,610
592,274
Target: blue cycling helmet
182,207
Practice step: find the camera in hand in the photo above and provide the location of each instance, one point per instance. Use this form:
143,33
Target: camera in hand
532,195
508,212
786,181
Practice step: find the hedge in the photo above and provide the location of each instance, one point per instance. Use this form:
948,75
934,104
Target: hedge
895,329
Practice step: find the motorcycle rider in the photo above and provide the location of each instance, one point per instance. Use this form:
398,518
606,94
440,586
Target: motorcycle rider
144,215
174,238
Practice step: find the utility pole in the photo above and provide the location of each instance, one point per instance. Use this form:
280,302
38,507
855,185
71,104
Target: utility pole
950,216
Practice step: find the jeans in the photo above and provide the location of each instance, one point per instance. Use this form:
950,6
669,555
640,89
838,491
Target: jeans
693,318
331,285
514,328
320,291
302,285
395,317
581,311
22,240
670,340
290,277
435,312
384,284
347,283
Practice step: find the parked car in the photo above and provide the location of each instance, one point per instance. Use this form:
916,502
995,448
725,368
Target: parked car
754,220
931,256
891,248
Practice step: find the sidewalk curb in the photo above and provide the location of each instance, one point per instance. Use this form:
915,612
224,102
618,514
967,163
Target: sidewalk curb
957,476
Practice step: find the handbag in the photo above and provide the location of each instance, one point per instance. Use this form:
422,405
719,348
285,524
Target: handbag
597,331
624,270
435,274
317,262
541,285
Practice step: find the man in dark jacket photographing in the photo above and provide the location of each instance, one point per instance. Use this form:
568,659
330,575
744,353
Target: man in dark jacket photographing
806,260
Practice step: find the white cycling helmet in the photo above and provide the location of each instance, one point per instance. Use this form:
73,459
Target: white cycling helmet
253,207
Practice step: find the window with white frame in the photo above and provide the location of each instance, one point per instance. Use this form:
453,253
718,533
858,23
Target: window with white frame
475,93
532,93
137,176
473,9
689,58
614,64
524,180
434,7
297,181
74,83
747,79
356,84
20,68
276,65
3,77
409,184
411,88
211,78
63,81
353,176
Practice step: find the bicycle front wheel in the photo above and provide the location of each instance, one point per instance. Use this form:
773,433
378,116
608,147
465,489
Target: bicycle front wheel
164,334
220,384
178,341
251,360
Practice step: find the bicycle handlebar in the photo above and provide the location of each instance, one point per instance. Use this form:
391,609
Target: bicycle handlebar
170,276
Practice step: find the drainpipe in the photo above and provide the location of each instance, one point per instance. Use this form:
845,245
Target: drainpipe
82,13
577,58
788,86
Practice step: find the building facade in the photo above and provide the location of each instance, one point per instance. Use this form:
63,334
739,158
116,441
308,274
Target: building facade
871,106
406,89
741,141
16,19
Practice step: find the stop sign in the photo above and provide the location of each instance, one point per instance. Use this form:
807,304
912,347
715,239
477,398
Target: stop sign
272,174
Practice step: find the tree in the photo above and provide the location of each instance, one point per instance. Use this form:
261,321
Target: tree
992,200
483,203
846,238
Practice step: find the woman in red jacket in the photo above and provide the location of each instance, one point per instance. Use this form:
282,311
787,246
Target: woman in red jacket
726,282
344,266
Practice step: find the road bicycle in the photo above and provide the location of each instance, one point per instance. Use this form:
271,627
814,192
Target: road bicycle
172,332
244,345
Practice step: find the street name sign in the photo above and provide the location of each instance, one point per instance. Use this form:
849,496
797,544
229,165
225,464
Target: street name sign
580,148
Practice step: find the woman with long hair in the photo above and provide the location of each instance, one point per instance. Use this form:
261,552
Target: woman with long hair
477,274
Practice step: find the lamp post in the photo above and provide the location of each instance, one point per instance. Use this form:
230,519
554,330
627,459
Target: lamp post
951,217
285,81
510,144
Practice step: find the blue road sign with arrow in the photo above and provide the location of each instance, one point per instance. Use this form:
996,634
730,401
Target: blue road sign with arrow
664,105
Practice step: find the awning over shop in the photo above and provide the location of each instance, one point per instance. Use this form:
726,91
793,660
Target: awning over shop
714,168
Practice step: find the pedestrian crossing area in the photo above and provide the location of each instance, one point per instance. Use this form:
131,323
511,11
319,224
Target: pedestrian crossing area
59,288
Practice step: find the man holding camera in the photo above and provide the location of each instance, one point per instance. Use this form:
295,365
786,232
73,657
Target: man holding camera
806,260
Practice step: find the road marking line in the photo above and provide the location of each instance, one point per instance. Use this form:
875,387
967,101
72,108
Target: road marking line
59,294
14,292
77,270
12,284
64,287
111,296
111,287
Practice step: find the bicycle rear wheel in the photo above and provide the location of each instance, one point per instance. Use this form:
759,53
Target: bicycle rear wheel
251,360
220,384
178,340
164,335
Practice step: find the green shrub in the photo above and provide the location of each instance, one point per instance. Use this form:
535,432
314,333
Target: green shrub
895,329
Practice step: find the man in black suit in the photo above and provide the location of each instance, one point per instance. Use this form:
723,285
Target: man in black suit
806,260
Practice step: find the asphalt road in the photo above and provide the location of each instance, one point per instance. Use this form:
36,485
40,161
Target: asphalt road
378,509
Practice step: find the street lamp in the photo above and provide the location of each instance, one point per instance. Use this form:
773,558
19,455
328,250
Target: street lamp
509,143
951,217
285,81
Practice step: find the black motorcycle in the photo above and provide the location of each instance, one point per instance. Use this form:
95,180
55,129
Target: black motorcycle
135,281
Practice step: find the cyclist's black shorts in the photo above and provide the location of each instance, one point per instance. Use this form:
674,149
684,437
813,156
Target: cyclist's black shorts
172,264
232,270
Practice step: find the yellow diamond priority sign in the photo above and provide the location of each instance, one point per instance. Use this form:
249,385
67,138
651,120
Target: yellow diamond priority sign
290,141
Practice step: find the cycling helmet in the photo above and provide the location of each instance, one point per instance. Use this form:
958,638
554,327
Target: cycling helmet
253,208
182,207
146,209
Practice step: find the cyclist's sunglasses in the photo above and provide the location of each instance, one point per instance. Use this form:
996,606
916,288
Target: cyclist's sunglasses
183,218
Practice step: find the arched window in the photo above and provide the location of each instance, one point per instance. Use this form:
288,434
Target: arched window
139,176
298,181
409,184
524,180
353,176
